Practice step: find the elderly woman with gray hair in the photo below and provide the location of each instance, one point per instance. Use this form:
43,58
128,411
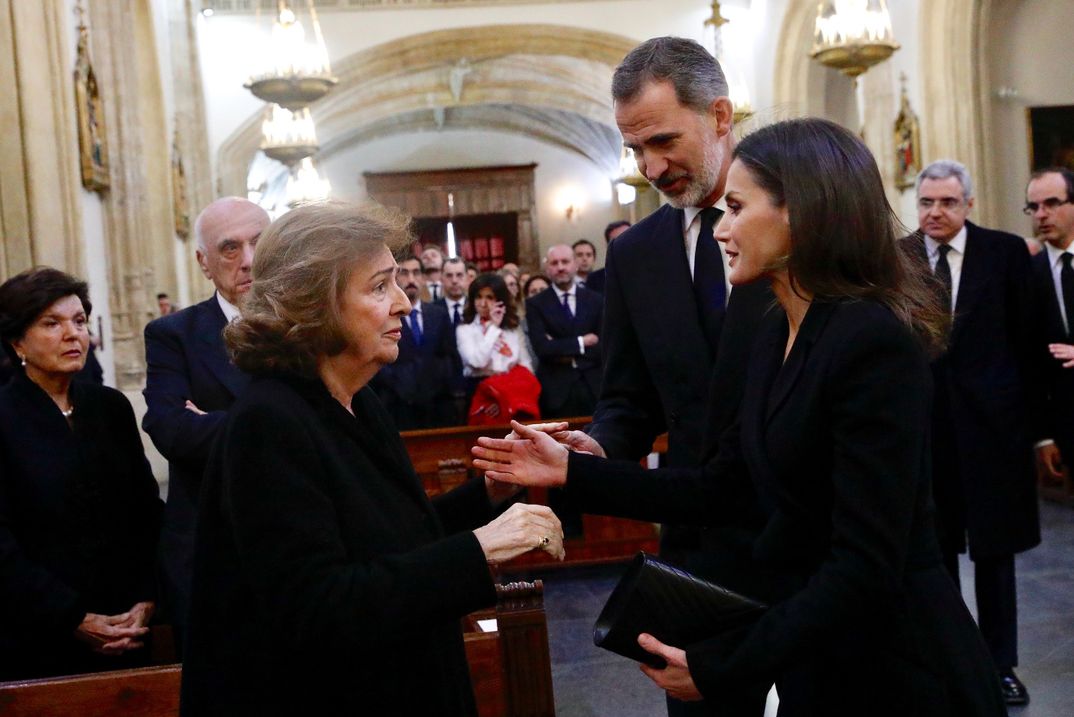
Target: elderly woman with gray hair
325,581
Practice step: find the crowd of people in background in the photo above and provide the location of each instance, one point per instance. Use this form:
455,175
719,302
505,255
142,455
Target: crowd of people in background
488,347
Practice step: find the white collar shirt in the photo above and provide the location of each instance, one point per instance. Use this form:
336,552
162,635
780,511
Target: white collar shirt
231,312
954,259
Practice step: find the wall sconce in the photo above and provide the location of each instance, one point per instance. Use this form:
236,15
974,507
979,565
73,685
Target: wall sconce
571,201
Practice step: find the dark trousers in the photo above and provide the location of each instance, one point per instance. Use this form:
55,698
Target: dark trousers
997,605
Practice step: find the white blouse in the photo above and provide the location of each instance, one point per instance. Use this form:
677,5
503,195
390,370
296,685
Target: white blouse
488,350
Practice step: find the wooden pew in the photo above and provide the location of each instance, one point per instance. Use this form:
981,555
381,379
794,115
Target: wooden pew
441,456
510,667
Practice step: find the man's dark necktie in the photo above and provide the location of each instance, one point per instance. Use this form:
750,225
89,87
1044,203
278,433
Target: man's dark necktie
1066,278
710,291
415,327
709,286
567,305
943,273
456,317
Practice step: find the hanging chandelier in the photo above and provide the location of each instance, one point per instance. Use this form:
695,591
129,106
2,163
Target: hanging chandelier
298,71
304,185
629,173
288,137
737,89
852,35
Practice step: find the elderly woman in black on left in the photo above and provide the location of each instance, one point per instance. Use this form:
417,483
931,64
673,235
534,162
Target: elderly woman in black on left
79,512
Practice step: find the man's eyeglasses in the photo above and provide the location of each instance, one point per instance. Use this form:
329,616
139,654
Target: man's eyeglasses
1050,205
947,203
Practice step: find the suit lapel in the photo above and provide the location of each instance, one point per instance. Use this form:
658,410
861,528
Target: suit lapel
1042,273
209,327
791,370
557,317
674,299
973,277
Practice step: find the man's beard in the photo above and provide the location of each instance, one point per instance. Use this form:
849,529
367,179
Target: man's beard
701,184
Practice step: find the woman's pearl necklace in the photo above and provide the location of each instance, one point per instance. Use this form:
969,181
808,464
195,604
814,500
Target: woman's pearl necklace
68,412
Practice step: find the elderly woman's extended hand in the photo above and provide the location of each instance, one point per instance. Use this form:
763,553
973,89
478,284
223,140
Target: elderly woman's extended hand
520,529
535,458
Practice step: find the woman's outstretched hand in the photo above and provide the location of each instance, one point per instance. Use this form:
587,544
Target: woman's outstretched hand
534,458
674,679
520,529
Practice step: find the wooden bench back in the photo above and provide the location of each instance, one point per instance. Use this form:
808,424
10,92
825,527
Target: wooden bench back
511,671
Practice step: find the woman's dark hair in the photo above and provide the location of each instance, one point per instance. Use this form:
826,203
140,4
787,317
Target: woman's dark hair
535,277
844,235
499,290
25,296
303,261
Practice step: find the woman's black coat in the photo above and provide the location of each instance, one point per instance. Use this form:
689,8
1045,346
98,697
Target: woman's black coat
323,580
79,524
832,444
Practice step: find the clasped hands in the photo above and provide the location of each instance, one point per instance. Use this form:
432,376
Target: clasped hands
116,634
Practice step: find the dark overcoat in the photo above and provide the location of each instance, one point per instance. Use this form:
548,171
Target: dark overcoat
989,401
79,521
834,445
325,581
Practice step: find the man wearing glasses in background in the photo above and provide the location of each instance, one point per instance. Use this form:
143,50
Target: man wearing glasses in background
1049,205
987,404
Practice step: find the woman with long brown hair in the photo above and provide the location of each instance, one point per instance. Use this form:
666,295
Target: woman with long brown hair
830,452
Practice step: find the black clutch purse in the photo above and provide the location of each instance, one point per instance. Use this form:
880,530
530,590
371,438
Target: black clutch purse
670,604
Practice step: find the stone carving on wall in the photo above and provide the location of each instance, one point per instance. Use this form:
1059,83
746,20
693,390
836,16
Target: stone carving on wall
180,198
92,140
907,143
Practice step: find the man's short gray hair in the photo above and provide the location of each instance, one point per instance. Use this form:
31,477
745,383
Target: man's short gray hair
945,169
689,67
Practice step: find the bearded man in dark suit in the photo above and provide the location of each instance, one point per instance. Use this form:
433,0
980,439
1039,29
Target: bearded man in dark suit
191,382
673,331
988,403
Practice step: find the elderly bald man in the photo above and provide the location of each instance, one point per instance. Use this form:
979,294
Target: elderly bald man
190,382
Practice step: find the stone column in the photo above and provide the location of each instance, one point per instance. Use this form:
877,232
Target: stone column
40,217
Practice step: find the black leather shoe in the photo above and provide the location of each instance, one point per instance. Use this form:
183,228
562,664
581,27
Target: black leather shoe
1014,692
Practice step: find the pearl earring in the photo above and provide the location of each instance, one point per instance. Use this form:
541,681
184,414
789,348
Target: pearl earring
23,361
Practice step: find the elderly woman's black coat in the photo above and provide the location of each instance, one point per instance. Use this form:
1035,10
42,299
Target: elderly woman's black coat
323,580
79,522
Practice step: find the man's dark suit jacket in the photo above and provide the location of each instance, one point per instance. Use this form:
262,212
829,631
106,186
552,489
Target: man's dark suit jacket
988,403
417,388
186,360
325,581
833,442
596,280
1059,381
658,358
554,337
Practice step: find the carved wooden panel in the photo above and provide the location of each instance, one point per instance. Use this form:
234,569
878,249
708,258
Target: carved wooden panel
476,190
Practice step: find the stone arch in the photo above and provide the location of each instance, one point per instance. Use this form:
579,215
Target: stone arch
546,81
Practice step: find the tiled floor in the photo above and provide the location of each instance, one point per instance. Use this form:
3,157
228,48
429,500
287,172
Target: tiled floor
590,682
